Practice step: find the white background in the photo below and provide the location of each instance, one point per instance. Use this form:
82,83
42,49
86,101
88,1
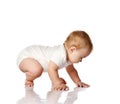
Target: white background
48,22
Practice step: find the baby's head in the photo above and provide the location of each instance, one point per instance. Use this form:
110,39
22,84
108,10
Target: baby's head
78,45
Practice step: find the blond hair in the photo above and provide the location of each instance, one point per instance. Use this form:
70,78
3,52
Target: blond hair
78,39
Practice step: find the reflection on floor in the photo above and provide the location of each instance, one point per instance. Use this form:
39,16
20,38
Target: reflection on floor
31,97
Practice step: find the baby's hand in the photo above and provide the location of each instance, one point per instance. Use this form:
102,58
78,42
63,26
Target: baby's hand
60,85
61,80
82,84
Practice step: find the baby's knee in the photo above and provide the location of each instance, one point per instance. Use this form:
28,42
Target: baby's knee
37,72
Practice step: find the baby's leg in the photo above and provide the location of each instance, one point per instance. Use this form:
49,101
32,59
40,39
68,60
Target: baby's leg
32,69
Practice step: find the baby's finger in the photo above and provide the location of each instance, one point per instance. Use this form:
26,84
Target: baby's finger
84,85
79,84
58,88
63,88
67,88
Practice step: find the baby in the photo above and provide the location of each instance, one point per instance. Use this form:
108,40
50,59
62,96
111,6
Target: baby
36,59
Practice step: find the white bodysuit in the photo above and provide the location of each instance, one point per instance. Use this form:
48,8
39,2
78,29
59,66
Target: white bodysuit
43,54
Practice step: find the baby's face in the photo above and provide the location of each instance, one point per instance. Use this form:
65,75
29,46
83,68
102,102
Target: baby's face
76,55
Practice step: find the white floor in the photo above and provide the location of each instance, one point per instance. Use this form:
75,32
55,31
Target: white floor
102,90
51,97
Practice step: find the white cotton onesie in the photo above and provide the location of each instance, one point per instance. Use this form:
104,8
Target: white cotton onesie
43,54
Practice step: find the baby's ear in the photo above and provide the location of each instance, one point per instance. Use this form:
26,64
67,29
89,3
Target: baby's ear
72,49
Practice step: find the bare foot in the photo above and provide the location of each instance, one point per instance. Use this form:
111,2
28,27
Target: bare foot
29,83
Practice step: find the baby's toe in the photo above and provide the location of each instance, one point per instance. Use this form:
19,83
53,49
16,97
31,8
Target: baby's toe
29,84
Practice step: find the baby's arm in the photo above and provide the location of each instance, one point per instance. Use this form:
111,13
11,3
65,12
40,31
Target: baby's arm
57,82
75,77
